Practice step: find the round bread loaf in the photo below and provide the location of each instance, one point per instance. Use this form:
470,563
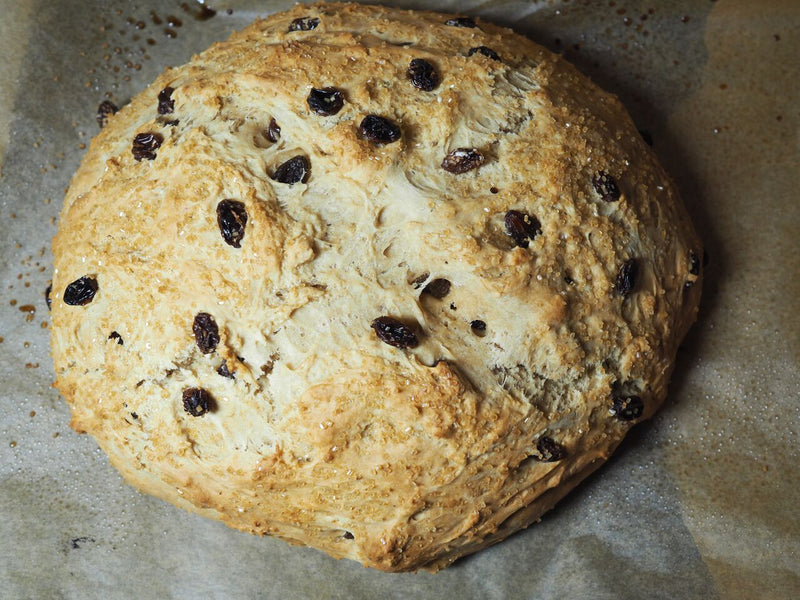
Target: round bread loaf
384,283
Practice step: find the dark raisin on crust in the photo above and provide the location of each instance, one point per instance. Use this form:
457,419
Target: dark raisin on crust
694,263
145,145
105,110
81,291
438,288
422,74
165,102
626,278
478,327
348,536
461,22
325,101
224,371
462,160
486,51
273,131
294,170
522,227
420,280
232,219
627,408
394,332
116,336
206,332
197,401
47,299
304,24
379,130
694,268
605,185
549,450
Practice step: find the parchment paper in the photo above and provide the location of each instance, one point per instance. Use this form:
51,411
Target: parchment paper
701,502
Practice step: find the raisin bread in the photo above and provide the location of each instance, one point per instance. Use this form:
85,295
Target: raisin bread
384,283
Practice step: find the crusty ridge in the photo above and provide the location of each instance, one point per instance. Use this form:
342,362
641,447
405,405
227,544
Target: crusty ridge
400,458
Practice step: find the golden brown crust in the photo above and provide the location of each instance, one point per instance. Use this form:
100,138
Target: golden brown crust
401,458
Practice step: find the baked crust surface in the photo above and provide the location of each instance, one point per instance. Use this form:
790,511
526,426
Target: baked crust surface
398,457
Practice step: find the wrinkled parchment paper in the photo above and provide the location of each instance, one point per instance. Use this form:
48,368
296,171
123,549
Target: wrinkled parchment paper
701,502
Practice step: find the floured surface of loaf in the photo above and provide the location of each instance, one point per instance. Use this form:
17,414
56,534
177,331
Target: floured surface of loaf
380,282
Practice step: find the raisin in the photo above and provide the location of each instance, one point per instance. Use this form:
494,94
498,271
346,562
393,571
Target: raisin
134,415
116,336
294,170
304,24
47,299
627,408
232,218
105,110
165,102
274,131
605,185
197,401
461,22
420,280
423,75
462,160
206,332
348,536
522,227
438,288
81,291
549,450
145,145
478,327
224,371
325,101
694,263
486,51
379,130
626,278
395,333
